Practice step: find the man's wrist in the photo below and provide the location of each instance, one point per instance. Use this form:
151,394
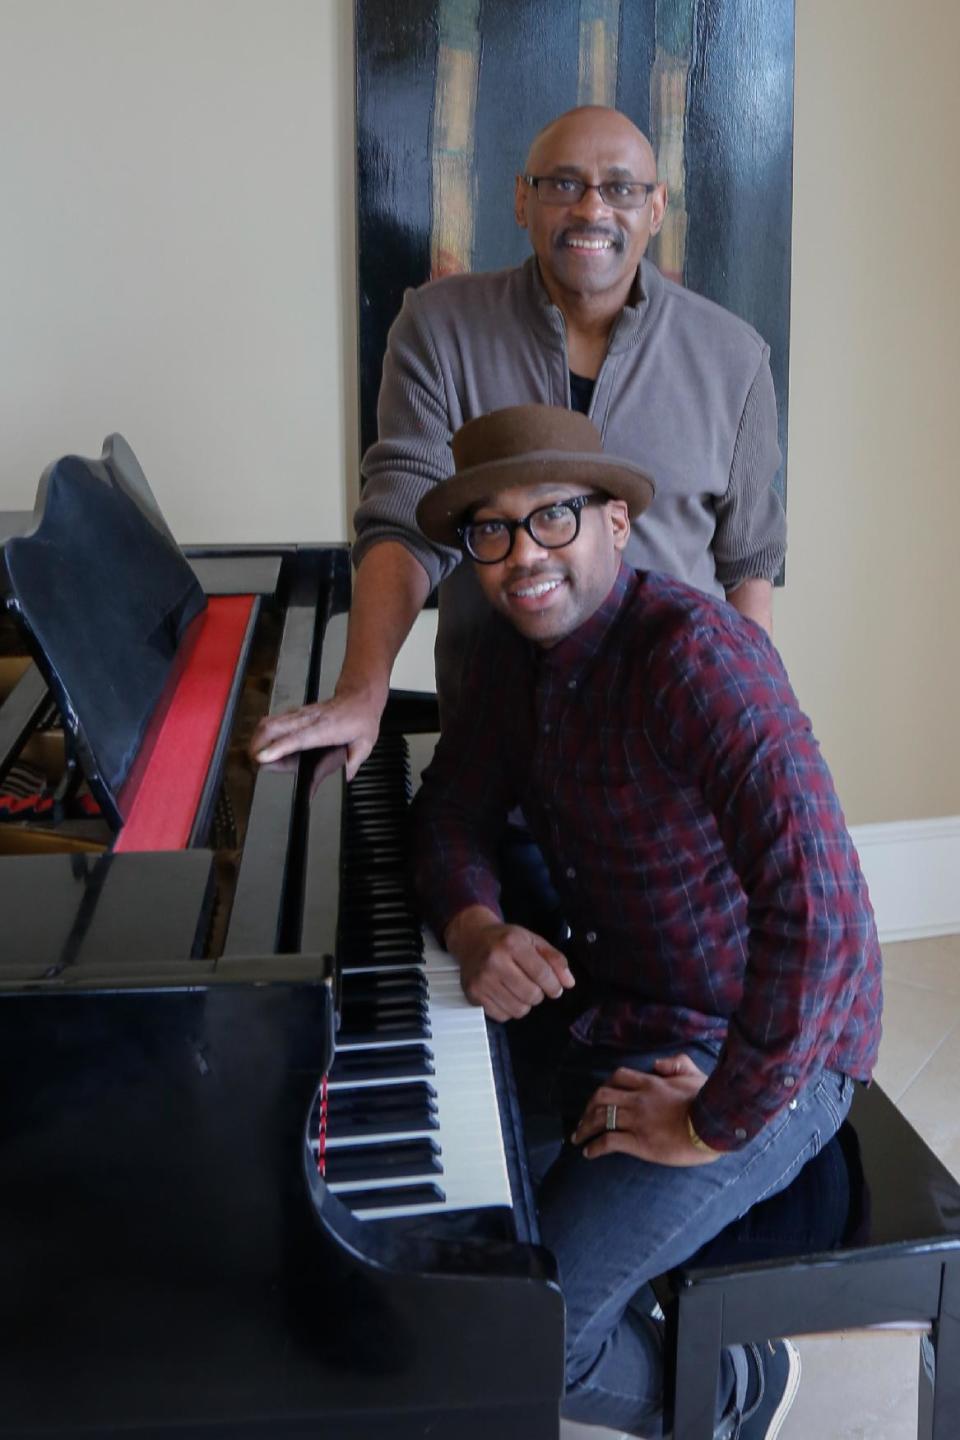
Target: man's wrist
696,1142
373,692
465,924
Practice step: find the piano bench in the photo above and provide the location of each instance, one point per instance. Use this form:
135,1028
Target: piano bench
897,1263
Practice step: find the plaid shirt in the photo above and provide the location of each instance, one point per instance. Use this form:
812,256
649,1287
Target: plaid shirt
692,829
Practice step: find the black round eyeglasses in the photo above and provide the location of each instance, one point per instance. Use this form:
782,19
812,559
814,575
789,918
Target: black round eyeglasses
549,526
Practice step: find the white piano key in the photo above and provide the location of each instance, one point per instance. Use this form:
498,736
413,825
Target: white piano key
474,1173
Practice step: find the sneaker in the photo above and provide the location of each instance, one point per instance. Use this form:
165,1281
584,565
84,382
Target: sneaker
769,1401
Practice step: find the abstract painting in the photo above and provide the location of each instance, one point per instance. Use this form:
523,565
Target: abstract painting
450,93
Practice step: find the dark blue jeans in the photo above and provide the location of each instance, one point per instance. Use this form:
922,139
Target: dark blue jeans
615,1223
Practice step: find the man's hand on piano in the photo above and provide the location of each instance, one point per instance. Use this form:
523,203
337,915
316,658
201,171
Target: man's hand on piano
649,1114
350,718
505,968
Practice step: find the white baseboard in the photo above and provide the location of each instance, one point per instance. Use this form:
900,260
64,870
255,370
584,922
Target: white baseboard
913,870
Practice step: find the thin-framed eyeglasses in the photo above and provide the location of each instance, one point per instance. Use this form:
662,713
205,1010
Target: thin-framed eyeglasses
566,190
549,526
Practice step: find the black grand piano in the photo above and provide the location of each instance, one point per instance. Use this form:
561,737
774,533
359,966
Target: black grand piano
260,1167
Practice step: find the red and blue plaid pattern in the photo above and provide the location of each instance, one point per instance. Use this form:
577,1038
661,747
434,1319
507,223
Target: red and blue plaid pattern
692,829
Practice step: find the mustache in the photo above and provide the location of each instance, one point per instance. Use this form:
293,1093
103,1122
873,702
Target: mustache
591,232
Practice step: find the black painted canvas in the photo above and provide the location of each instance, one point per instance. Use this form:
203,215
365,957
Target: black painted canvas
450,92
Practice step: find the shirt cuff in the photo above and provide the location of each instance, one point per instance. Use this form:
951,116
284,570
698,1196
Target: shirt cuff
727,1120
460,895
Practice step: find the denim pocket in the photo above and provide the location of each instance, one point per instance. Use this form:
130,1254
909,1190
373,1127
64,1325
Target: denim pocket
822,1109
835,1093
793,1169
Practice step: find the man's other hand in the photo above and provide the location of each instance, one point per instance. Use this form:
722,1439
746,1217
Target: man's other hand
651,1115
505,968
350,718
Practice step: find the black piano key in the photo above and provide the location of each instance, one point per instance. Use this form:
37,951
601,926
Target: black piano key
363,901
376,857
407,1022
395,935
354,922
407,945
361,1010
376,794
353,1065
413,975
410,943
402,952
377,821
363,935
414,1098
383,1162
405,1027
374,913
382,1097
414,1196
390,919
396,984
392,915
359,882
351,962
358,1124
357,935
383,896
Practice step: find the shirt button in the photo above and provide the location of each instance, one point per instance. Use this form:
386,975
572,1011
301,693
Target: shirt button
792,1105
740,1133
789,1081
570,873
546,729
572,684
591,937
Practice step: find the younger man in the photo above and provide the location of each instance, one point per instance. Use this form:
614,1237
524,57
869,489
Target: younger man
722,950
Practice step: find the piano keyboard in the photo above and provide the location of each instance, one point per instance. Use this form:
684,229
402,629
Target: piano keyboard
412,1125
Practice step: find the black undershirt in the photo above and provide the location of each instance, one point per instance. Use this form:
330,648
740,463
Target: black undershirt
581,392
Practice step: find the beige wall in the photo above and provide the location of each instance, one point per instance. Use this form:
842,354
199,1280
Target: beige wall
177,251
175,263
868,620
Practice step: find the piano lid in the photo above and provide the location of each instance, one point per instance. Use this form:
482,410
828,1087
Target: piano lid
107,602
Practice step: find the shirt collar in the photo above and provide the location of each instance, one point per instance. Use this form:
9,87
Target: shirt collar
574,652
630,322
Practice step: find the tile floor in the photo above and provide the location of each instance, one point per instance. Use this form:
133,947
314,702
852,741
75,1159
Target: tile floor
863,1386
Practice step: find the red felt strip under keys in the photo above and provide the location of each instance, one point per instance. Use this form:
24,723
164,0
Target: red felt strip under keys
161,816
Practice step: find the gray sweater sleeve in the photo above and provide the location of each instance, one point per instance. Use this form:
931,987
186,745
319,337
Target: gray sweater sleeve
413,451
750,540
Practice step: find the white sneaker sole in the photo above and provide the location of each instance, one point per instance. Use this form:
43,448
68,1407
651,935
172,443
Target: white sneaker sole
789,1394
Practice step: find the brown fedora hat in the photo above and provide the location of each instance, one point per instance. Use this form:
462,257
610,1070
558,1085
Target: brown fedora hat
526,445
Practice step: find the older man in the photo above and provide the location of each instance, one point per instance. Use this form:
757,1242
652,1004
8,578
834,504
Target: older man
671,381
722,958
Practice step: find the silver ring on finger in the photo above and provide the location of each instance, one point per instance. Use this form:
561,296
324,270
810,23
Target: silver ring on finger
611,1120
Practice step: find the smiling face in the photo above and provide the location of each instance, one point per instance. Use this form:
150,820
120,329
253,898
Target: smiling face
547,594
587,249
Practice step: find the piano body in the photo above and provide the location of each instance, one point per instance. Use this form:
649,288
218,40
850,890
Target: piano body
260,1168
